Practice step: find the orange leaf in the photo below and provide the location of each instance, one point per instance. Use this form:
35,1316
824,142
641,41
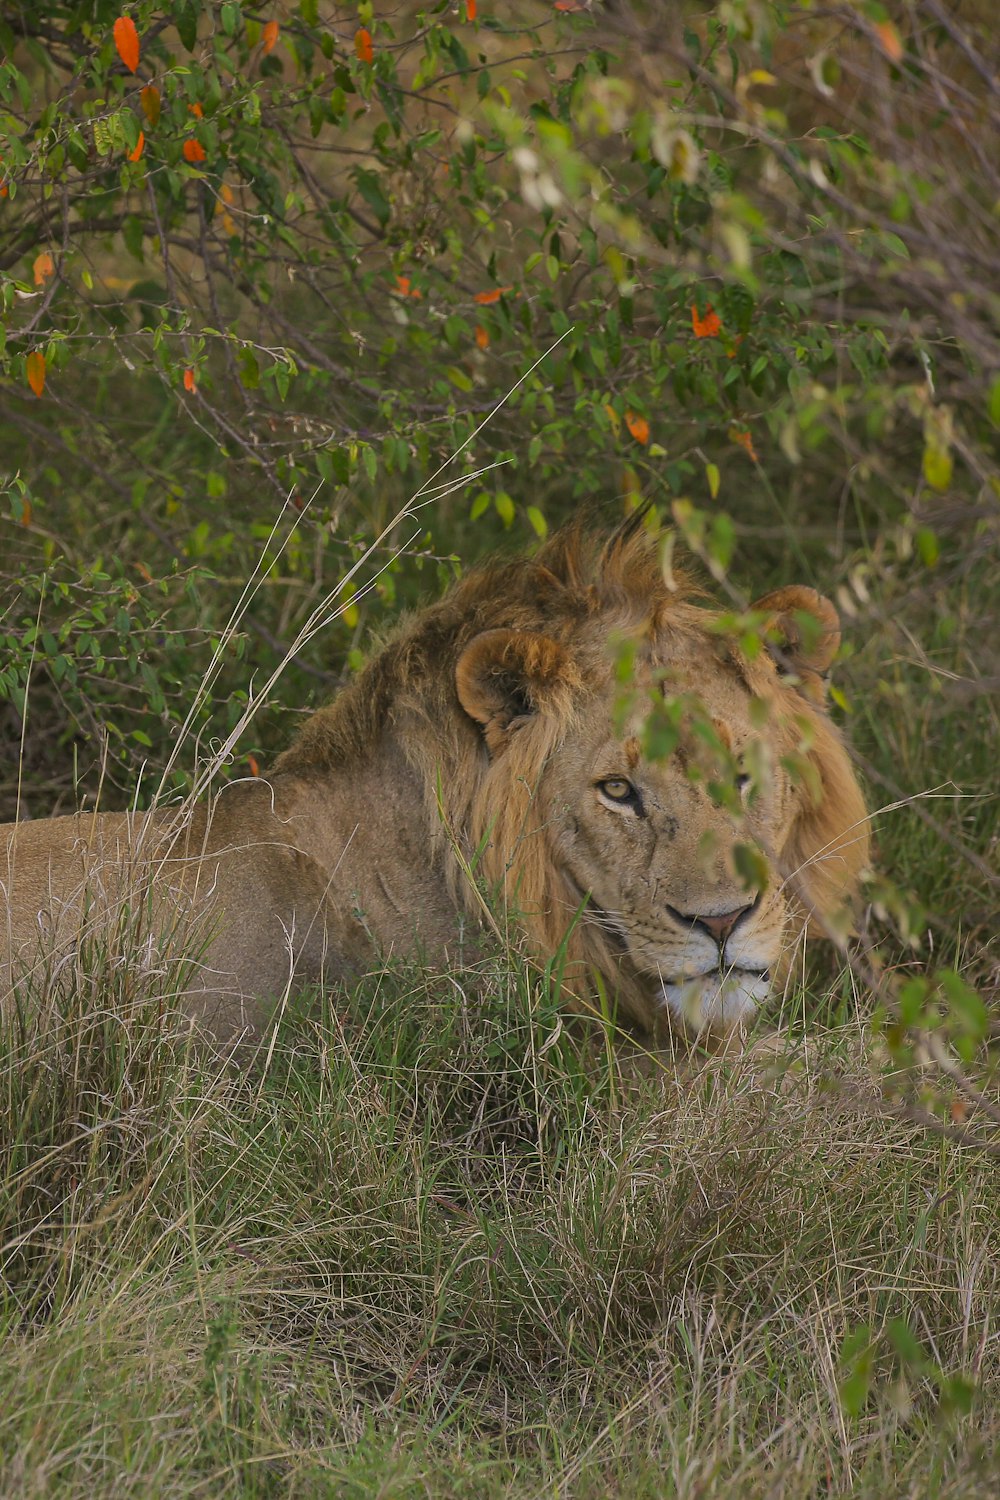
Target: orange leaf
638,427
134,155
194,151
189,380
269,37
127,42
708,326
568,5
890,40
149,98
363,44
252,759
25,512
485,298
35,368
43,268
741,435
482,337
470,10
196,110
405,289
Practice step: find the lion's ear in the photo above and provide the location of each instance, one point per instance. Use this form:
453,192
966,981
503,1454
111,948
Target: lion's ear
803,630
505,677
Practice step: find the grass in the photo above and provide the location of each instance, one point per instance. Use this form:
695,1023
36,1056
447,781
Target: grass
439,1246
434,1242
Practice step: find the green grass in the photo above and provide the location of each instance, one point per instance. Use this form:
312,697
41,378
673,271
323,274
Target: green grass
438,1246
434,1242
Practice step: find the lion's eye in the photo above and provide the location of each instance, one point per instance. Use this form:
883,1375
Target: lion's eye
617,789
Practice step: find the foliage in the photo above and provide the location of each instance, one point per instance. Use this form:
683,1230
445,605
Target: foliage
300,305
253,267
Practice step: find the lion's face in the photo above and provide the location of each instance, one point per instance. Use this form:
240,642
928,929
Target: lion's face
672,838
674,857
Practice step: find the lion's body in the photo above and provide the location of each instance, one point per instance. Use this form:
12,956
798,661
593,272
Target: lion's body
489,733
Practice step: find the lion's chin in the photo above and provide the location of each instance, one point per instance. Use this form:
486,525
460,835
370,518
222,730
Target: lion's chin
716,1002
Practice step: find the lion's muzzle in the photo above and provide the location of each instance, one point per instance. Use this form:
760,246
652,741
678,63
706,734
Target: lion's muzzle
719,1000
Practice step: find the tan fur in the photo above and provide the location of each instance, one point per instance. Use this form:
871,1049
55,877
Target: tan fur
480,738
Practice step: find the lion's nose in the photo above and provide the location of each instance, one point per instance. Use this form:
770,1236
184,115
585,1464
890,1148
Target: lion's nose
722,925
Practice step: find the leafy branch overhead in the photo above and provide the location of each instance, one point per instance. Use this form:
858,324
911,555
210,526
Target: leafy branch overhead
279,182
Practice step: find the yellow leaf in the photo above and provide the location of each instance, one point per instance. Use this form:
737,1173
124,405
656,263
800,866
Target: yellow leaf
938,467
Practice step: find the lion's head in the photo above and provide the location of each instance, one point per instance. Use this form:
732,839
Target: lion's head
667,802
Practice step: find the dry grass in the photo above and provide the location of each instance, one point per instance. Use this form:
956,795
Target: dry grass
440,1247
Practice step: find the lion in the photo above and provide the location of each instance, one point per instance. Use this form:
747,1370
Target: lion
579,739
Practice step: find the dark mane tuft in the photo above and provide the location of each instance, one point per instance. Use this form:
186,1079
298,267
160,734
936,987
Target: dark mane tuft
580,587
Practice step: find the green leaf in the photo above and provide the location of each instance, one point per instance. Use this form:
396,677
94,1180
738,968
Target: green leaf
370,188
906,1344
504,507
459,378
993,402
132,235
856,1362
249,369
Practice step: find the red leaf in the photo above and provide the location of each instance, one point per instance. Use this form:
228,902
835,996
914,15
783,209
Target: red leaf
127,42
194,151
43,268
638,427
269,36
189,380
485,298
363,44
470,10
741,435
708,326
35,367
252,759
482,337
140,143
149,98
568,5
406,289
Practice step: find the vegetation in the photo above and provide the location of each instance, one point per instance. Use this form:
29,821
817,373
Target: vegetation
304,307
